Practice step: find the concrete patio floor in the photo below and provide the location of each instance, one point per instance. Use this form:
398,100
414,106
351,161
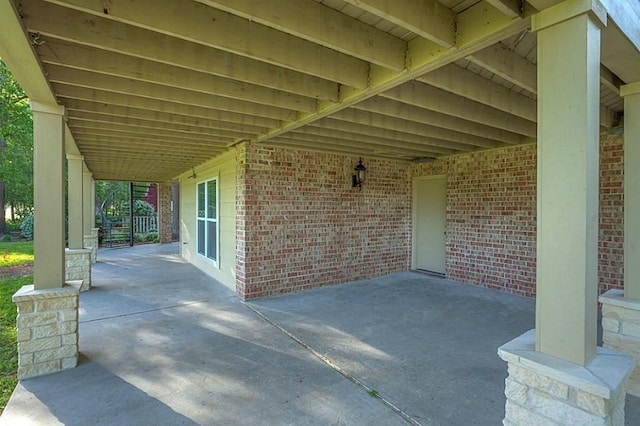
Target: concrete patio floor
162,344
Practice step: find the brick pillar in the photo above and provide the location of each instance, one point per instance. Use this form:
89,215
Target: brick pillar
164,213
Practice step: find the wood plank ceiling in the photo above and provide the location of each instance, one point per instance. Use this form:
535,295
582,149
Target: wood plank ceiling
153,88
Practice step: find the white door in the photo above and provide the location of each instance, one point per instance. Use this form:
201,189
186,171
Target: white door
429,226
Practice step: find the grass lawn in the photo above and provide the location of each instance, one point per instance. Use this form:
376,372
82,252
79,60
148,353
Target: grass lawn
16,253
8,346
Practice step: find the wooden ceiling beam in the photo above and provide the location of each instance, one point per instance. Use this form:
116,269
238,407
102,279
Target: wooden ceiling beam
68,92
205,25
371,142
425,96
312,21
103,63
158,92
171,129
427,18
465,83
91,30
72,105
415,114
365,121
506,63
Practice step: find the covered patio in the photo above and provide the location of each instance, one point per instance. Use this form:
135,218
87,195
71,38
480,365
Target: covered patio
160,343
501,145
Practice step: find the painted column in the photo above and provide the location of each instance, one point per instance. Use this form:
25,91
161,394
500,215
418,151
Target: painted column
557,374
631,94
47,323
87,185
75,197
164,213
88,219
48,194
568,171
621,309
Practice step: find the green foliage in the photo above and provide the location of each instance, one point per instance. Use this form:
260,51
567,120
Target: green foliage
152,237
142,208
8,344
16,143
16,253
374,393
5,238
13,225
113,197
26,227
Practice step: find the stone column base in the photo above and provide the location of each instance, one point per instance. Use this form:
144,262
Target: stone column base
47,330
621,330
77,266
91,241
545,390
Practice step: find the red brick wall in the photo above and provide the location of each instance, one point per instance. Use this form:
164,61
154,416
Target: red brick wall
165,234
491,216
610,250
301,225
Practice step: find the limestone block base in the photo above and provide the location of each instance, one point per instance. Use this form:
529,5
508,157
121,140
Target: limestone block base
545,390
77,266
621,330
47,330
91,242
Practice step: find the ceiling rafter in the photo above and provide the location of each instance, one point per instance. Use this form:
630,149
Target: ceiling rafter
429,97
171,128
201,24
124,86
95,31
468,84
424,116
159,117
69,92
368,122
350,131
427,18
311,21
102,62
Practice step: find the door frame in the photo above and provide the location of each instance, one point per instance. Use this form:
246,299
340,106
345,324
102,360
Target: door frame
414,215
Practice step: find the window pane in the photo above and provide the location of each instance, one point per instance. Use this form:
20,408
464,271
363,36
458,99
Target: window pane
211,199
201,238
212,246
201,203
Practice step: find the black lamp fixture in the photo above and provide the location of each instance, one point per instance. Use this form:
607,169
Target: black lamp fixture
359,175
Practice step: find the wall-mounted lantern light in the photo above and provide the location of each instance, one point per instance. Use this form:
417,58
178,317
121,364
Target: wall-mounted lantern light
359,175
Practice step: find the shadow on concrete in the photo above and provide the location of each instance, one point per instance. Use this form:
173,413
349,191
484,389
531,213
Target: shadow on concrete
163,343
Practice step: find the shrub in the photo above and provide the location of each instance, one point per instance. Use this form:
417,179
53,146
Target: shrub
152,237
6,238
26,227
12,225
142,208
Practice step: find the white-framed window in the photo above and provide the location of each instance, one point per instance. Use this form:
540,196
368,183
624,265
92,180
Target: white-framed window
207,219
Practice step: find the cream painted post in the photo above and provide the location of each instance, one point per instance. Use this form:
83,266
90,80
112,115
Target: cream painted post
621,309
48,184
631,94
557,374
567,240
75,197
87,184
93,202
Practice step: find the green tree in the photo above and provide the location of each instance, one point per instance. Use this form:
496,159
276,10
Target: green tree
16,148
